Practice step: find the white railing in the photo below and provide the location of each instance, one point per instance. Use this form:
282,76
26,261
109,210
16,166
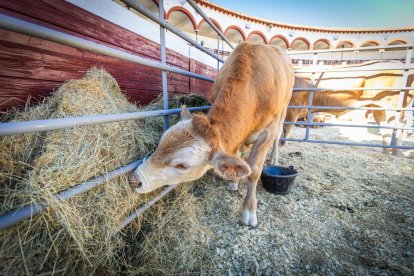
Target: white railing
406,68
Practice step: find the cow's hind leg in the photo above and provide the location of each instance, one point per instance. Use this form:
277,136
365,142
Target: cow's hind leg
380,118
274,156
256,161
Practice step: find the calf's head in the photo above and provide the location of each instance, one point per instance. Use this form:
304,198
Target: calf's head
185,153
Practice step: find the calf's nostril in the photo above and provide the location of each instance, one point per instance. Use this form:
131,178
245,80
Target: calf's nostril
134,181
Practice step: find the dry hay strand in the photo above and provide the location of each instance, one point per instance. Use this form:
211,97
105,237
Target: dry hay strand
80,234
176,239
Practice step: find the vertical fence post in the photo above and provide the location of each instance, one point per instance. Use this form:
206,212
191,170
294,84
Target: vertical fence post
309,116
218,51
401,98
163,61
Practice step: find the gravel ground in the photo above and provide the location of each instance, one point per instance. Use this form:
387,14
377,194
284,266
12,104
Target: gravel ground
349,212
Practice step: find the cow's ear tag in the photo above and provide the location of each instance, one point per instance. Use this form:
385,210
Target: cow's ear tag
230,174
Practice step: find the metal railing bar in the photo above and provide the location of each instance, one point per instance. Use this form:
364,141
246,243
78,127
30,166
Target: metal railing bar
346,143
20,26
346,108
163,51
205,17
345,125
12,128
309,116
145,206
307,70
403,95
350,49
13,217
140,8
351,88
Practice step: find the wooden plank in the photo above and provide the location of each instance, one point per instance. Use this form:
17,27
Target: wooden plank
28,61
66,17
33,66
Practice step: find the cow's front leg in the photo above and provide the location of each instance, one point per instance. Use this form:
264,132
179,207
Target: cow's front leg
256,162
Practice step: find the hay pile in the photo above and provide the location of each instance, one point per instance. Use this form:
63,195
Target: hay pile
78,235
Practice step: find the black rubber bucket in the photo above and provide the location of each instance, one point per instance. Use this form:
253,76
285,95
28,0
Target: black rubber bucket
278,180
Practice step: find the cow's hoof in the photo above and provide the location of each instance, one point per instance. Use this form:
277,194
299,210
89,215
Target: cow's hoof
249,217
233,186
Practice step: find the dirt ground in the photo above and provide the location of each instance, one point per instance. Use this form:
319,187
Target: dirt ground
350,211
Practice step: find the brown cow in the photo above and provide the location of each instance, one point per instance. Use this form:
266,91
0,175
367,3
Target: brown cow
356,97
250,98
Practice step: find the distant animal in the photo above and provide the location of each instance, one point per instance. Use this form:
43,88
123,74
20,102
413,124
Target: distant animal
356,97
250,98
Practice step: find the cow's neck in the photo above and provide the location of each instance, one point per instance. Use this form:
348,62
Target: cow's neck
230,118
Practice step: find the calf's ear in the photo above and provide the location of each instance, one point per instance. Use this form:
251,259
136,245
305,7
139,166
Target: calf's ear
185,113
230,167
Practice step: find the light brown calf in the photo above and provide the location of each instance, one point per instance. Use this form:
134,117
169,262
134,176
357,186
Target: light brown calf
250,98
356,97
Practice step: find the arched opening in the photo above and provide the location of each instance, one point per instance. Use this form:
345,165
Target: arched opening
280,41
300,44
151,5
369,43
182,19
256,37
207,35
345,44
321,44
235,34
398,42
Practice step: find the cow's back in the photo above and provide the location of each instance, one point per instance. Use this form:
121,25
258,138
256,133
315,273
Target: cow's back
254,84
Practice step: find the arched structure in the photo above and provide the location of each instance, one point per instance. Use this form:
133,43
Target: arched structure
206,30
257,37
300,44
182,19
322,44
280,41
235,34
345,44
151,5
369,43
398,42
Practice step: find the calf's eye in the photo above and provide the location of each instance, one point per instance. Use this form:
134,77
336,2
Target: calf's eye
181,166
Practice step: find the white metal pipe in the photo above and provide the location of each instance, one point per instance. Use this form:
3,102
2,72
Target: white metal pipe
392,47
13,217
353,69
209,22
12,128
401,98
309,116
346,108
141,8
346,143
163,61
20,26
346,125
145,206
351,88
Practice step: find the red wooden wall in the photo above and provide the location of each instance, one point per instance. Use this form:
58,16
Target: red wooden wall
33,66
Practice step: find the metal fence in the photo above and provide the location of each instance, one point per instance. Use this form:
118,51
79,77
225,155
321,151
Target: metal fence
405,68
13,128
